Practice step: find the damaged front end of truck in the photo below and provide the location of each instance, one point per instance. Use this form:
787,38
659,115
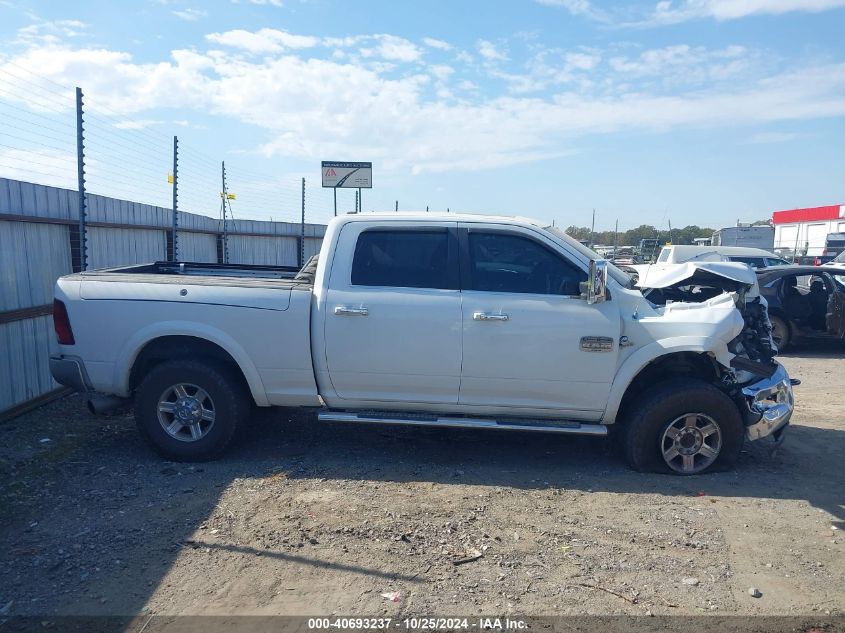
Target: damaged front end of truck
749,373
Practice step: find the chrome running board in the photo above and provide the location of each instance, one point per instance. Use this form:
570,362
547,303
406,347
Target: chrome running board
510,424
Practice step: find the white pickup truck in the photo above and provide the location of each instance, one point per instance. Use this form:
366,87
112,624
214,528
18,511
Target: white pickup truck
436,320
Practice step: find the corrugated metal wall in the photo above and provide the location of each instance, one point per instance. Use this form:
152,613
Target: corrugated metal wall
114,247
197,247
24,350
32,256
35,249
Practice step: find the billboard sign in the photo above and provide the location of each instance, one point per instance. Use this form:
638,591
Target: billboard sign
340,175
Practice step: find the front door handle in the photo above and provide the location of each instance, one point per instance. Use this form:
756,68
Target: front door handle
350,311
489,316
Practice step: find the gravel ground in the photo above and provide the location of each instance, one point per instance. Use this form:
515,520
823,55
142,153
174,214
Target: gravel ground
307,518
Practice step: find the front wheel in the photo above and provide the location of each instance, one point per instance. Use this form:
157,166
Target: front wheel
684,427
190,410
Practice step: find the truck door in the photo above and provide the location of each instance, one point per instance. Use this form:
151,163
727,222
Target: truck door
531,342
393,314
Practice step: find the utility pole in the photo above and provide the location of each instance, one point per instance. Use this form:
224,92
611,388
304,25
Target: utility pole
615,237
334,191
397,206
592,228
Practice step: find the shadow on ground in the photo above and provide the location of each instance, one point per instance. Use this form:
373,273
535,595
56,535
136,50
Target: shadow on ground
92,520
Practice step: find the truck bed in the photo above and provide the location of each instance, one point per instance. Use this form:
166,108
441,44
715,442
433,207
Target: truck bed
202,269
207,274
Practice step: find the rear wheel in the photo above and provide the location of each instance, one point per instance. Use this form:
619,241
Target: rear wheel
190,410
781,334
684,427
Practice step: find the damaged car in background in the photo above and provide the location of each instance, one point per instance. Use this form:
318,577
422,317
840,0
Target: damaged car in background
805,302
467,321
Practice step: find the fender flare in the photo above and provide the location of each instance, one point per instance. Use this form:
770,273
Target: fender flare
129,353
637,361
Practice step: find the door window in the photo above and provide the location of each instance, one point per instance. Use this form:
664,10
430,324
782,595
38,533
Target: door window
754,262
776,262
505,262
404,258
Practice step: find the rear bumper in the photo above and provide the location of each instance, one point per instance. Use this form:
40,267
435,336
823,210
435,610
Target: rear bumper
70,372
769,405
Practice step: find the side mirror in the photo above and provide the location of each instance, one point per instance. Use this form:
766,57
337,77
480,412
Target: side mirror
597,283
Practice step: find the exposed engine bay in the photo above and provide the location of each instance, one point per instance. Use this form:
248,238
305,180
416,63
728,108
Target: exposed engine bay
699,282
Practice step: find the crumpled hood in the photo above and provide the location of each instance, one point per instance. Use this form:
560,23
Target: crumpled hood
665,275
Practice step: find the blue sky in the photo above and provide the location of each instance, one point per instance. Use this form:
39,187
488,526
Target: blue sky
690,111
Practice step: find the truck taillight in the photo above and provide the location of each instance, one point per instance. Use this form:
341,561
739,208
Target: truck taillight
61,323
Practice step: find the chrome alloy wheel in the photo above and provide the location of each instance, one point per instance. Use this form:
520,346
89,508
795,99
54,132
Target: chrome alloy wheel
186,412
691,443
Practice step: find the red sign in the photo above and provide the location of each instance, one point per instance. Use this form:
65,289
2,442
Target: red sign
811,214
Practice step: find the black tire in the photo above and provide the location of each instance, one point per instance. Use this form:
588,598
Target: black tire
781,330
227,399
648,419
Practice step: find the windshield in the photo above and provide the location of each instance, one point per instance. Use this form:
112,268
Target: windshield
840,259
618,275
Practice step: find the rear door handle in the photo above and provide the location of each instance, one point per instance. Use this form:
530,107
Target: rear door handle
350,311
489,316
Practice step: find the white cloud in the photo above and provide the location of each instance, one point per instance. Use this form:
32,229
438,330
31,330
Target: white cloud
275,3
263,41
551,67
772,137
50,32
441,71
577,7
683,63
311,107
671,11
438,44
393,48
139,124
190,15
489,51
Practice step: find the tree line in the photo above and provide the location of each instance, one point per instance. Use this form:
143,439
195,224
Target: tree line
632,237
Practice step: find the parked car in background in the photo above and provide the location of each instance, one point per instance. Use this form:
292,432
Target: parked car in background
838,261
754,257
804,301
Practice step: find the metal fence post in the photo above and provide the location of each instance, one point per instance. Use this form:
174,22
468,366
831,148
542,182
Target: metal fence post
175,236
223,199
80,169
302,229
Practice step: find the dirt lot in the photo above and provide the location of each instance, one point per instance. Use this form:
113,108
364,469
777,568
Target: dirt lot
303,518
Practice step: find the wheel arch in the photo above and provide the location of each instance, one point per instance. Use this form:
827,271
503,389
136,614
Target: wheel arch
639,374
151,348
